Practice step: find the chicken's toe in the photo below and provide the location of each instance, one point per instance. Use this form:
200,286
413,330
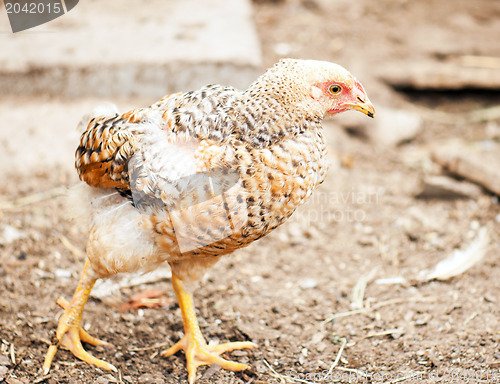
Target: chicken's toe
199,353
69,334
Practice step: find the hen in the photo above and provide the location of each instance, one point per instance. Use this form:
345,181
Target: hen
196,176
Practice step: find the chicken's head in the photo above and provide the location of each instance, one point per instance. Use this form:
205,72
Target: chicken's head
321,87
336,90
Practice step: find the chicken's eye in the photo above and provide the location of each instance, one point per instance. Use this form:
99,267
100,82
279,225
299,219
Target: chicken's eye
335,89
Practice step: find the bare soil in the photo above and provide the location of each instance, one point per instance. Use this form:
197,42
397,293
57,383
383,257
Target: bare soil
363,220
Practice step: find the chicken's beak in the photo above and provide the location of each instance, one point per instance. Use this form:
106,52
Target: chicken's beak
363,105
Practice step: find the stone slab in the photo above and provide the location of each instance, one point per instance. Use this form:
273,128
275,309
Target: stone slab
132,48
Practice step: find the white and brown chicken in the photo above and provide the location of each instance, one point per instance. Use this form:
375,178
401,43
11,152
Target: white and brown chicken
196,176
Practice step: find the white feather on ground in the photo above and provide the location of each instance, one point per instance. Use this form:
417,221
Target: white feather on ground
113,285
456,263
459,260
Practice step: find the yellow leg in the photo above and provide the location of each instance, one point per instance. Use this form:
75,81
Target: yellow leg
69,333
195,348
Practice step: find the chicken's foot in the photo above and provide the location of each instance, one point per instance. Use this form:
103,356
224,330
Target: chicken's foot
69,333
194,345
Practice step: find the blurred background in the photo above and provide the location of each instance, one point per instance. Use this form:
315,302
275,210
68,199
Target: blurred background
417,185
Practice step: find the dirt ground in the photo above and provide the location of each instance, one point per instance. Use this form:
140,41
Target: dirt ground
364,223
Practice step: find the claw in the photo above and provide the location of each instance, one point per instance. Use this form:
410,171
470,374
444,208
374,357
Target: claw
70,336
84,336
193,344
69,333
199,353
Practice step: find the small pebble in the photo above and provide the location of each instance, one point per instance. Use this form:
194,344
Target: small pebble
308,283
62,273
11,234
4,360
317,338
302,359
255,279
102,380
13,380
3,372
148,378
